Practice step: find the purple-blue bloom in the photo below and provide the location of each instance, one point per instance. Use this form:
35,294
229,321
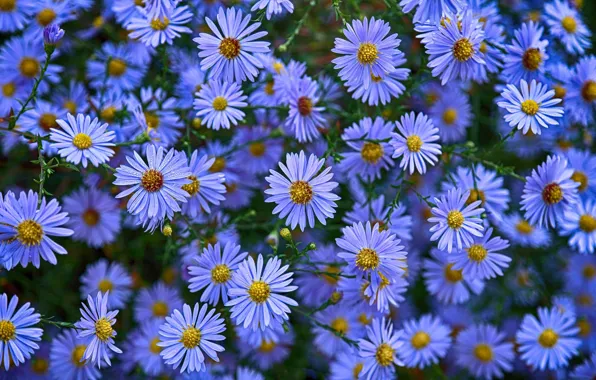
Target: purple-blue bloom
16,334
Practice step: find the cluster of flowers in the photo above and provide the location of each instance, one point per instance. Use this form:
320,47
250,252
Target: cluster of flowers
440,258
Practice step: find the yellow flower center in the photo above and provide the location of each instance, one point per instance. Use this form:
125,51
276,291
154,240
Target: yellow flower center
103,329
588,91
229,48
71,106
8,89
304,105
560,91
367,53
587,223
221,273
552,193
450,116
371,152
589,271
220,103
267,346
82,141
375,79
139,3
116,67
259,291
483,352
152,180
356,370
47,121
153,347
29,232
452,275
384,355
193,187
29,67
159,309
455,219
157,24
108,113
420,340
463,50
569,24
364,319
98,22
7,5
77,355
46,16
152,119
218,165
585,328
530,107
301,192
269,88
331,280
105,285
367,259
414,143
191,337
40,366
584,299
548,338
7,330
257,149
340,325
532,59
483,47
336,297
523,227
582,179
477,253
475,195
278,66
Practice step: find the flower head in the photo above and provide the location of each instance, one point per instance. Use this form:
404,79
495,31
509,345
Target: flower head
103,276
218,104
379,350
156,302
416,142
16,334
481,260
425,341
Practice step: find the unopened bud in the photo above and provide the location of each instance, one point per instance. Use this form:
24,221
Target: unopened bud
311,247
285,234
167,230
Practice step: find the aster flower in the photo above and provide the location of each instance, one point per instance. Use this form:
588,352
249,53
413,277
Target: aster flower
484,351
259,149
304,117
82,140
14,16
481,260
379,350
579,222
315,289
424,341
214,271
581,92
522,233
17,336
526,55
431,11
583,164
455,220
385,87
154,30
157,184
157,115
188,336
367,51
344,321
205,188
389,293
548,192
367,158
27,228
566,24
266,348
531,108
302,194
116,63
156,302
256,298
549,341
145,348
73,97
104,276
218,104
46,12
416,142
230,53
95,328
347,365
452,114
274,7
66,355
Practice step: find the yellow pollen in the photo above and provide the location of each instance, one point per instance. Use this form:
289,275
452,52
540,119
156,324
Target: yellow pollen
278,66
267,346
116,67
475,195
82,141
371,152
585,328
569,24
98,22
218,165
229,48
523,227
589,271
220,103
48,121
40,366
548,338
221,274
29,232
532,59
463,50
420,340
523,278
588,90
477,253
304,105
357,369
259,291
584,299
139,3
331,280
452,275
340,325
152,119
71,106
8,89
193,187
552,193
384,355
191,337
46,16
7,330
336,297
455,219
152,180
530,107
7,5
301,192
384,281
103,329
414,143
157,24
560,91
582,179
108,113
483,352
364,319
153,347
367,259
269,88
483,47
105,285
29,67
367,53
257,149
159,309
587,223
450,116
77,355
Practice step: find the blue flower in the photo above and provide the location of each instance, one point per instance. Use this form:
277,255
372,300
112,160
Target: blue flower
344,321
214,270
579,223
549,341
431,11
73,97
548,192
188,336
367,51
424,341
586,370
583,164
259,149
526,55
46,12
481,260
452,114
15,15
581,91
125,11
379,350
347,365
302,194
27,230
566,24
315,289
103,276
274,7
192,80
256,298
305,116
484,351
522,233
145,348
66,355
157,114
16,334
229,55
95,328
116,68
154,30
416,142
156,302
205,187
218,104
268,347
383,88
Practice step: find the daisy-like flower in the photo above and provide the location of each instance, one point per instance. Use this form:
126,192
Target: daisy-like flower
581,91
367,158
154,30
302,194
256,294
455,49
481,260
373,254
272,346
26,230
14,15
157,184
214,271
484,351
218,104
526,55
431,11
452,114
367,52
206,187
566,24
314,289
416,142
16,334
82,140
379,350
305,117
116,63
188,336
230,53
347,365
104,276
390,292
522,233
344,321
96,331
455,220
383,88
549,341
579,222
424,341
274,7
532,108
260,150
146,352
66,356
548,192
583,164
156,302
